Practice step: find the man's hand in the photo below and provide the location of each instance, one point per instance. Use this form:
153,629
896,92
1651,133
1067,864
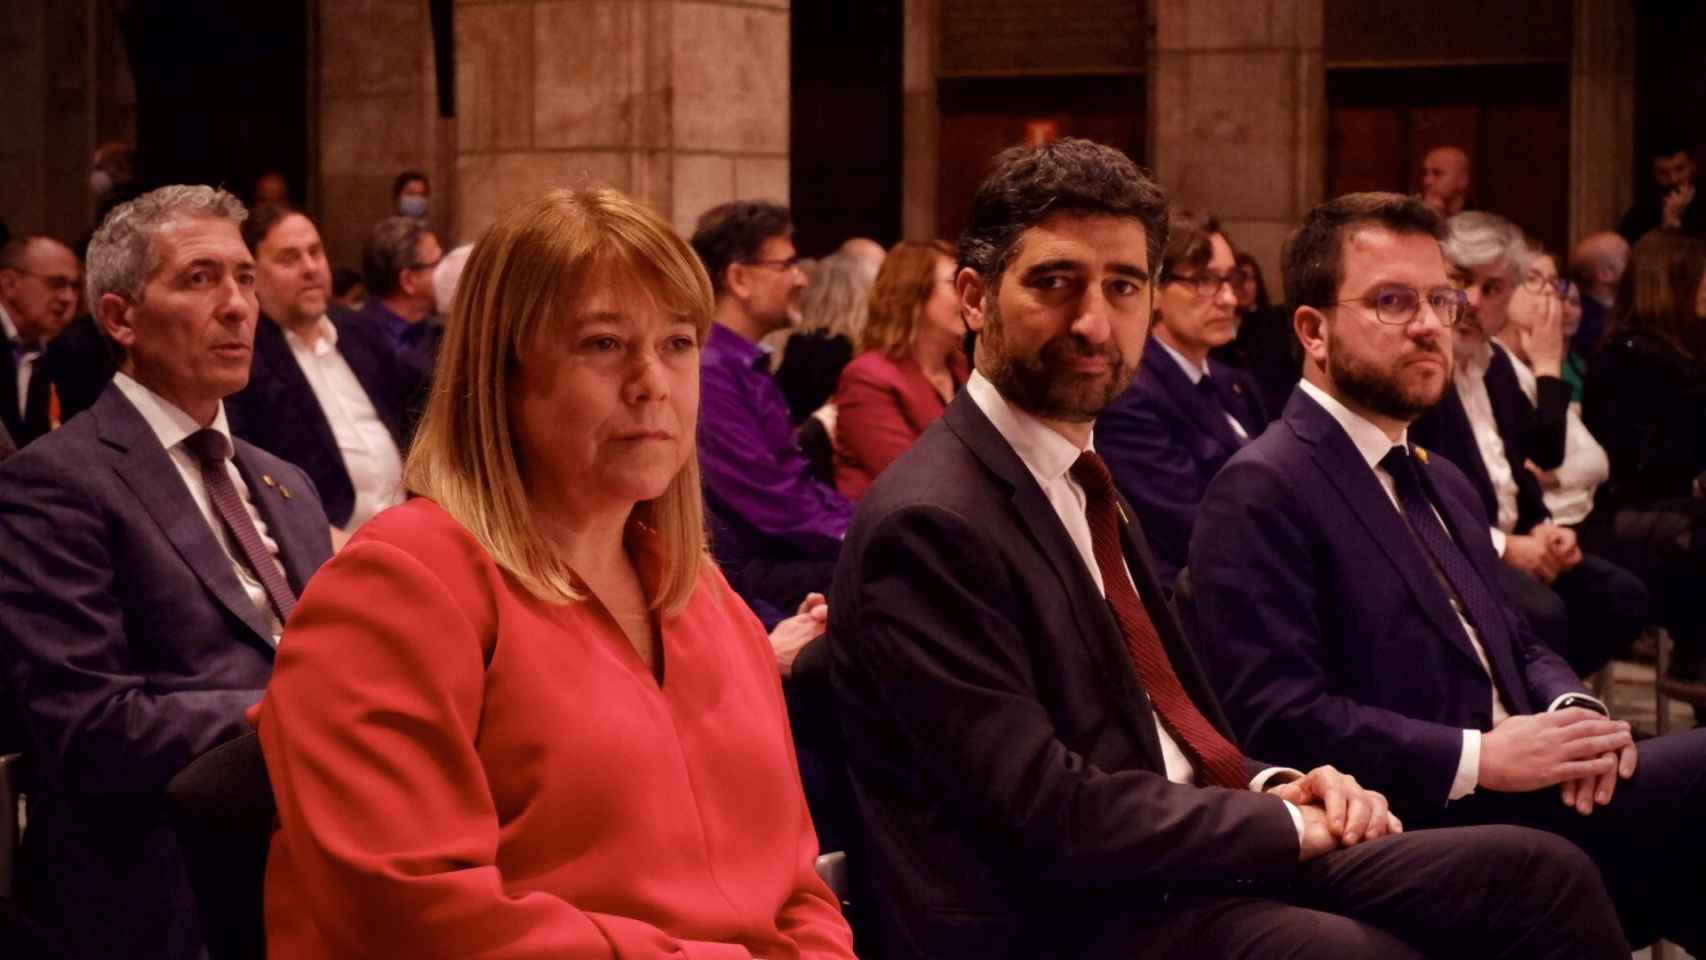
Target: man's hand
1531,555
1676,204
1561,543
1585,794
798,630
1317,839
1532,751
1350,813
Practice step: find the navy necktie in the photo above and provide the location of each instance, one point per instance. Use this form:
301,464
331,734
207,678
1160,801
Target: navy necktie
212,449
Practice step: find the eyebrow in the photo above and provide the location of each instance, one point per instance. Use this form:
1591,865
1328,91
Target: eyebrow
1067,263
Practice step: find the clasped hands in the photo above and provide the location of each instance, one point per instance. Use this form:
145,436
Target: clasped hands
1337,811
1583,752
1543,552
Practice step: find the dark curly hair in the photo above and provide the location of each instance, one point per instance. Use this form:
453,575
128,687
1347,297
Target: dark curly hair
1027,184
732,232
1314,256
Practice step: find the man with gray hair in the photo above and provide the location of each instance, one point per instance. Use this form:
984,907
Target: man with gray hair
148,563
1584,607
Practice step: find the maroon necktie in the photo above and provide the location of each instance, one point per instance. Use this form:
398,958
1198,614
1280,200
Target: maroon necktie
212,449
1217,760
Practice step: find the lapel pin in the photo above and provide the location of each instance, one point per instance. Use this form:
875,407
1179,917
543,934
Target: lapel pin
1238,388
267,479
1421,455
284,492
1123,518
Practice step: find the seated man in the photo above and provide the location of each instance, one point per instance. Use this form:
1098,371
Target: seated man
327,394
1581,605
1041,767
38,295
1348,605
147,564
777,527
1184,414
398,261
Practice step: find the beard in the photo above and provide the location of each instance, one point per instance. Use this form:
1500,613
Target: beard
1383,391
1043,384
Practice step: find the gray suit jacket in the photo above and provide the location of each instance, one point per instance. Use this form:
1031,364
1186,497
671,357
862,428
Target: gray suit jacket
130,641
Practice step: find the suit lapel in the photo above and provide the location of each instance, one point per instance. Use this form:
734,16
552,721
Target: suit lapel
358,351
1338,460
1237,397
9,412
273,500
147,469
1189,398
274,350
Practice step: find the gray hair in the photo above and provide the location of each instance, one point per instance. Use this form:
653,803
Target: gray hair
389,250
1475,238
835,301
123,254
447,275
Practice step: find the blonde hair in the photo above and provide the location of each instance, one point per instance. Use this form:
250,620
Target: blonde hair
903,286
518,287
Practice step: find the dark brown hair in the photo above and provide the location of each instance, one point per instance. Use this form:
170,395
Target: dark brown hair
1660,289
1313,259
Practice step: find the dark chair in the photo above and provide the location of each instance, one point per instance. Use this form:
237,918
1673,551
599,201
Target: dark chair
221,807
819,448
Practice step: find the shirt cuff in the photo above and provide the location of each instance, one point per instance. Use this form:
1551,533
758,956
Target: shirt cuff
1579,696
1296,819
1468,767
1272,777
1498,541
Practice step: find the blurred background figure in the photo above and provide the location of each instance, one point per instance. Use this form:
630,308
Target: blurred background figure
445,278
348,289
270,188
1266,346
411,193
1597,264
40,280
1669,201
832,308
1445,180
910,364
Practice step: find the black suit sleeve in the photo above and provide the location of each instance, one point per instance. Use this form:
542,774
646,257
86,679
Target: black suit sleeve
103,728
934,631
1543,428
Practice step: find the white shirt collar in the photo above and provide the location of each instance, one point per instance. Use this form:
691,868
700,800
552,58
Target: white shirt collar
168,421
1046,453
1194,372
7,325
1371,441
327,342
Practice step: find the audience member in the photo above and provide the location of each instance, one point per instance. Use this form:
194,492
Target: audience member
1040,765
398,262
1669,203
410,194
865,249
446,276
147,563
1646,400
1597,264
270,188
1581,605
778,527
325,393
348,289
1348,600
1265,346
523,714
832,308
1184,413
39,278
112,181
909,367
1445,180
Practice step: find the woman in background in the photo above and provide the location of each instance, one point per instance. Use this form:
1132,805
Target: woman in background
1265,346
909,367
832,312
523,715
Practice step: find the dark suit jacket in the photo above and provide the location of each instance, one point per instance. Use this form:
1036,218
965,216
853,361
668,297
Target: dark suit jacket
1325,627
279,413
131,642
1646,402
1529,431
1164,442
80,363
32,421
1002,750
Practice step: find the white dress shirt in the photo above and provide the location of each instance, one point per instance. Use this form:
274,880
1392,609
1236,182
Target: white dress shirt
1585,464
1049,457
1470,382
27,358
171,425
370,456
1195,374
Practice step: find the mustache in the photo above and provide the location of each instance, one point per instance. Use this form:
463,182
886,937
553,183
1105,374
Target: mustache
1070,346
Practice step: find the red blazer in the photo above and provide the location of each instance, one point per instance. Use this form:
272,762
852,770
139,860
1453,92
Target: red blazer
463,770
881,406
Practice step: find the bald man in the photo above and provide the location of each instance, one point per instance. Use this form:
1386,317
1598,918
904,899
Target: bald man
39,278
1445,180
1597,263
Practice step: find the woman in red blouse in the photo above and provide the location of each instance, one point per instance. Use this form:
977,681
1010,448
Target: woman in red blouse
909,366
523,715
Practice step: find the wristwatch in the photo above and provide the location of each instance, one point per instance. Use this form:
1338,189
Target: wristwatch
1581,700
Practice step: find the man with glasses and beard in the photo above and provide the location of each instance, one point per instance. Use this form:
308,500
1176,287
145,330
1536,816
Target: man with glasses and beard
1041,767
1348,601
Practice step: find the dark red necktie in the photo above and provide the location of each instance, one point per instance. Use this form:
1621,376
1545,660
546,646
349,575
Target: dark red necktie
212,449
1217,760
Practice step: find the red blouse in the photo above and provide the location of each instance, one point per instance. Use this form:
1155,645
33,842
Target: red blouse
463,770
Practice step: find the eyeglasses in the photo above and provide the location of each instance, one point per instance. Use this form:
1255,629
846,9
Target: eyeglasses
1207,282
53,281
791,263
1400,306
1541,283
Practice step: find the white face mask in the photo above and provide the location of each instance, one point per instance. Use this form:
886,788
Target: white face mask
100,182
412,205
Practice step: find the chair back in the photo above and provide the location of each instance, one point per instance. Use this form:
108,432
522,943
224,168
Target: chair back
221,807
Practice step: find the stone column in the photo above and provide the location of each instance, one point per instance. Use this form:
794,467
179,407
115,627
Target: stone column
1602,115
1237,106
921,121
681,104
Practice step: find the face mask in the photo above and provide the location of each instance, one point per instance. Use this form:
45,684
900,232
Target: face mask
412,205
100,181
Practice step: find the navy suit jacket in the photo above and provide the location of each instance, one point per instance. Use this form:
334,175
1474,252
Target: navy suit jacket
130,641
1529,431
279,413
1325,628
1164,442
